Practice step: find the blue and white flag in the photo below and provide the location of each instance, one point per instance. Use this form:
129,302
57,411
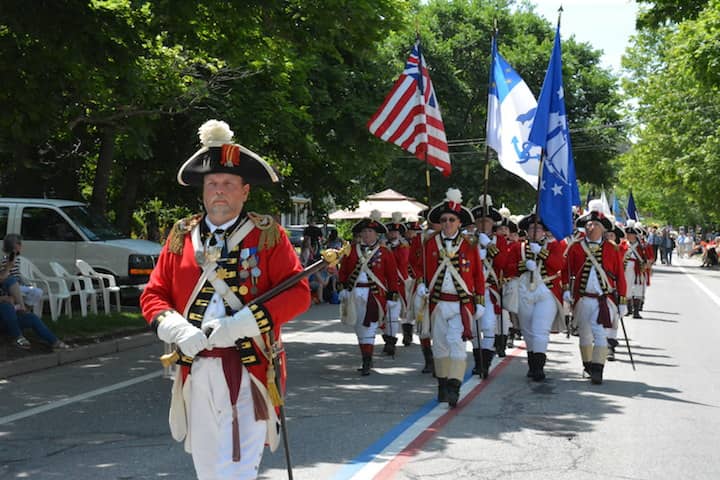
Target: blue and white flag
511,109
616,209
558,184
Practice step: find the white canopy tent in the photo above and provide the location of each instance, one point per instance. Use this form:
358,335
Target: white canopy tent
387,202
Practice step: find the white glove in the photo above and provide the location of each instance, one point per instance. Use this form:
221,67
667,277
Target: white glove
535,248
567,296
484,239
421,290
227,330
483,253
189,339
623,309
343,294
479,310
494,240
531,265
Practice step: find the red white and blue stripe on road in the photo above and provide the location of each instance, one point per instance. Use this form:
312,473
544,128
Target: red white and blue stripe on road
385,458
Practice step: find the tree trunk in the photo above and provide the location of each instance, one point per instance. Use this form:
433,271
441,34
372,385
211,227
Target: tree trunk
98,202
129,196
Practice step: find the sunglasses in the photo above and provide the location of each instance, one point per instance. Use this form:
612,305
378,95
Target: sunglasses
448,220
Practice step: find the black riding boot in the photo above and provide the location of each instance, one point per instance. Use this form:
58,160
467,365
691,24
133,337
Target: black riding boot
407,329
596,373
587,369
612,343
429,362
366,363
487,357
500,343
531,364
629,308
478,361
539,375
453,391
390,345
511,338
442,390
636,308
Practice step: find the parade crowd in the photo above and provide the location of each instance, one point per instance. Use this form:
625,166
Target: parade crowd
483,276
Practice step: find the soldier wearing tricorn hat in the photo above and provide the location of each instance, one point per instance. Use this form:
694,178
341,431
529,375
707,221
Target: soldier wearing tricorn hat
212,265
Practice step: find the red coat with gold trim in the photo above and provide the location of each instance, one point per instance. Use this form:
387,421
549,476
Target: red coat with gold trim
383,267
175,276
611,263
471,268
551,255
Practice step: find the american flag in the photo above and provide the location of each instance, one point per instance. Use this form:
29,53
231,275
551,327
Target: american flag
410,115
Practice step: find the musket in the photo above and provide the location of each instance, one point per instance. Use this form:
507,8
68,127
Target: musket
627,341
568,316
330,257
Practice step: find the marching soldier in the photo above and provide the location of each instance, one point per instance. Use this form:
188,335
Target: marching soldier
211,266
637,264
599,290
420,302
370,280
508,229
413,230
401,251
536,263
617,236
491,249
456,287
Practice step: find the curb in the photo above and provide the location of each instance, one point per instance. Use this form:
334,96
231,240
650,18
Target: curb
44,361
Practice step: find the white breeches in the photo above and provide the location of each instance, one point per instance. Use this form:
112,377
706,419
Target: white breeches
392,319
589,330
447,331
211,425
503,324
635,290
487,324
364,334
536,312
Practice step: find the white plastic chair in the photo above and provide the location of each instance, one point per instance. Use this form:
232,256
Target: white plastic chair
55,290
100,280
80,286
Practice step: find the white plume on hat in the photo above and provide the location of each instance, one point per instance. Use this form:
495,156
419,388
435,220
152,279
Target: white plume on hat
412,218
504,211
630,223
397,217
375,215
453,195
595,205
215,133
484,200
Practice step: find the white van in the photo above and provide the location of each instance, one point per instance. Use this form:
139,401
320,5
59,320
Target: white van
64,230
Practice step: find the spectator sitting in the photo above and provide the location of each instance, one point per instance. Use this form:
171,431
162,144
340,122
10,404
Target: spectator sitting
13,321
710,256
10,279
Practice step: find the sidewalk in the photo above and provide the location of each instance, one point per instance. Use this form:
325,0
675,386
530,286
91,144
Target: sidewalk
14,361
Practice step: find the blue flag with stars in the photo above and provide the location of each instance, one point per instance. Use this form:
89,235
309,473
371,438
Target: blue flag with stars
631,209
558,184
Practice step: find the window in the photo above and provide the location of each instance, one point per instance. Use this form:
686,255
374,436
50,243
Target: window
44,224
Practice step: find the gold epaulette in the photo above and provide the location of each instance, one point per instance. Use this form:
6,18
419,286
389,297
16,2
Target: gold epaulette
176,239
270,231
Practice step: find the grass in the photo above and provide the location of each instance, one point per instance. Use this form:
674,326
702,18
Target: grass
97,325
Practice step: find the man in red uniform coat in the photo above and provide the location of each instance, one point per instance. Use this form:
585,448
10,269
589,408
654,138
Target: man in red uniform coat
210,268
599,289
370,280
456,287
400,248
534,263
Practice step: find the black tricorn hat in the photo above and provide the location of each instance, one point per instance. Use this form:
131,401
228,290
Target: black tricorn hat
632,228
396,225
219,155
479,211
451,204
619,232
528,220
595,214
506,222
373,221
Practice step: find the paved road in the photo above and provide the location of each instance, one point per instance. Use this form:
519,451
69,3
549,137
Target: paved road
106,418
